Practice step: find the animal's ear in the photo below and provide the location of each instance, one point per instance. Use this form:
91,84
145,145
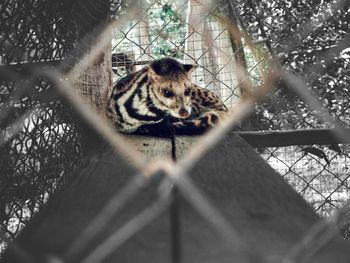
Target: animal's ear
189,68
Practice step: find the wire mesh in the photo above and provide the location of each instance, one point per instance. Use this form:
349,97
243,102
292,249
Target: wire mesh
41,144
322,180
271,24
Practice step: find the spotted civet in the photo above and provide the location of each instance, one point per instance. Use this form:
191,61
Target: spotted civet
162,93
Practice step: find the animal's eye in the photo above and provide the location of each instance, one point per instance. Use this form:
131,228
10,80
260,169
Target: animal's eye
168,93
187,92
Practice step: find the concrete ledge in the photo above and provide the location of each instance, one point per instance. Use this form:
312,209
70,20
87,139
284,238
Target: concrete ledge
150,146
153,147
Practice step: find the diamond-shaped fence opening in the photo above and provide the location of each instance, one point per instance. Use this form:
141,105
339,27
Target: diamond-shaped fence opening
40,143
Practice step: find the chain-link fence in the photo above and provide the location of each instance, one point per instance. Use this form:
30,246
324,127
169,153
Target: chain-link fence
322,179
164,30
40,139
40,144
319,50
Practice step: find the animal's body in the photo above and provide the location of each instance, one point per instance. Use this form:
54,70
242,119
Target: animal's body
162,95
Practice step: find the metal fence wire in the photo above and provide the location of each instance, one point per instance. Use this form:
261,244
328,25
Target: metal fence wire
41,143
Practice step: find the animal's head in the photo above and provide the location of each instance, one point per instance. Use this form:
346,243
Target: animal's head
171,86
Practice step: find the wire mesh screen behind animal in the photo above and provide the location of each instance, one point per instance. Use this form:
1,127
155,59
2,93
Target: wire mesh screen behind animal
320,174
186,31
304,36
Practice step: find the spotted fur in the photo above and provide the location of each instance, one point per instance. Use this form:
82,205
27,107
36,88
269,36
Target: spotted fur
162,95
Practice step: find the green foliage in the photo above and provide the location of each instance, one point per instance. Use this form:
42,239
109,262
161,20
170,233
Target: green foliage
167,31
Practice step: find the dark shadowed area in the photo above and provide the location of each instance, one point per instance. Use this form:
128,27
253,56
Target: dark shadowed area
267,214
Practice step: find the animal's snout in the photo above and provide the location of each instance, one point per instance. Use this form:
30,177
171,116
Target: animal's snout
183,113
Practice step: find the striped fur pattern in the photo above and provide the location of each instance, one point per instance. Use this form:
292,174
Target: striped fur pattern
148,100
